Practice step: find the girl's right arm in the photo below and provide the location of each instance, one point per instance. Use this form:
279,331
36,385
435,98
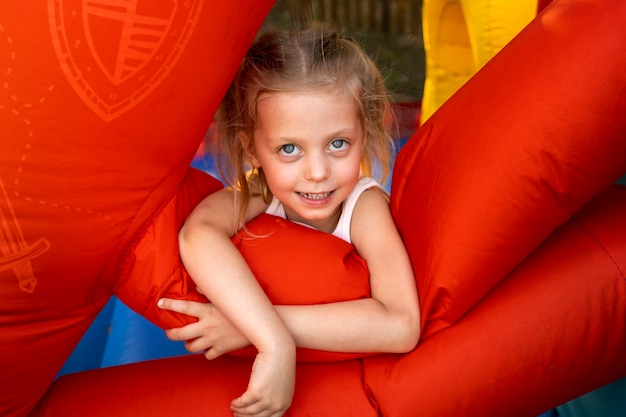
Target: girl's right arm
388,321
220,271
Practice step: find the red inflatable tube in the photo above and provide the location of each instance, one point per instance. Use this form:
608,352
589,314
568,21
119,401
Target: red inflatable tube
494,171
151,268
556,329
194,387
532,344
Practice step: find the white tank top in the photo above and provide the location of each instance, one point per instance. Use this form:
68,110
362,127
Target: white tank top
343,226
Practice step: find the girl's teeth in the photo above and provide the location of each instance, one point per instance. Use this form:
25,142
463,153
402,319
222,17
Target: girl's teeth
315,196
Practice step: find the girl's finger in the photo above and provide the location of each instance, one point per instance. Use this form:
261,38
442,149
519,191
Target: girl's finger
190,308
212,353
197,345
186,333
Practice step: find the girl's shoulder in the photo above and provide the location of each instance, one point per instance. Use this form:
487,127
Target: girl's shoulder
371,219
363,187
368,193
365,190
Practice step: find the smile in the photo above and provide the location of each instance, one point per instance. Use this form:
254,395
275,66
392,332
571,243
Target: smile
317,196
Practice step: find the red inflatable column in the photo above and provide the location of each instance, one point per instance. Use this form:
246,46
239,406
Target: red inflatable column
102,107
513,154
191,386
552,331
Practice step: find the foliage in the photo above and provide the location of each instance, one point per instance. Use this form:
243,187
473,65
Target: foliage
398,52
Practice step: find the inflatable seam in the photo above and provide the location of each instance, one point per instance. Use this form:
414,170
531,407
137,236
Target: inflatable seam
119,267
125,265
139,235
367,389
604,249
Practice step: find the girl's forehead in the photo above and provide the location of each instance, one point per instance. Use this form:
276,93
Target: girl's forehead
309,113
313,91
332,96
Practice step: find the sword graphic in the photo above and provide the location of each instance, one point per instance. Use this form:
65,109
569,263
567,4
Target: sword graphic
15,252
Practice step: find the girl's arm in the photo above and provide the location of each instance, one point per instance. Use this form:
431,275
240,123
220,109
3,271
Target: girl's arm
220,271
389,321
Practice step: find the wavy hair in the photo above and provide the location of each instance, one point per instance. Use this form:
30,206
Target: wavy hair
312,59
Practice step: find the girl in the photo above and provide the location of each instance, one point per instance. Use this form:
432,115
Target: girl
307,112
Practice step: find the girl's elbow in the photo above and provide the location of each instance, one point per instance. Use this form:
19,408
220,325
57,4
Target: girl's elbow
192,234
414,337
411,338
409,334
189,240
183,239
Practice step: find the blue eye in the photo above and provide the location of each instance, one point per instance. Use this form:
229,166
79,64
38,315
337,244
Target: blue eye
338,144
288,149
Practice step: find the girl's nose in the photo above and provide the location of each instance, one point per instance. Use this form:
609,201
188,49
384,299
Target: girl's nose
317,168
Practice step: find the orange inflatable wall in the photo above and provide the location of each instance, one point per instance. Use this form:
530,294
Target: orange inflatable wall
523,304
102,107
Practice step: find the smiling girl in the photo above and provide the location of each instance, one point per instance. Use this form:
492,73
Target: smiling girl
302,125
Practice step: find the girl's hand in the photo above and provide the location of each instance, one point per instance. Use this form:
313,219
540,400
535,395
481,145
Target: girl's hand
271,386
212,334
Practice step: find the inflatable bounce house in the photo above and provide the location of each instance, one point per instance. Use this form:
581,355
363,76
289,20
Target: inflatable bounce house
505,198
461,36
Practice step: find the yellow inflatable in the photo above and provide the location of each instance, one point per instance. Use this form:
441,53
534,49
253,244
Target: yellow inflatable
460,36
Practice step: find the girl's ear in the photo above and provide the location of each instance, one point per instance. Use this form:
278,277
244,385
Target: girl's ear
248,148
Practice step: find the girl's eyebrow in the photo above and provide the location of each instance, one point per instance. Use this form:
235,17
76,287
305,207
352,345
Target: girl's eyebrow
347,133
340,133
282,139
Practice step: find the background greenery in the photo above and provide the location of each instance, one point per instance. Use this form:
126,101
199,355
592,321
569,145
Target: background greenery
389,30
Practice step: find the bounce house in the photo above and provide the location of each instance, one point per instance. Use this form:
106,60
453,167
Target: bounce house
504,198
460,36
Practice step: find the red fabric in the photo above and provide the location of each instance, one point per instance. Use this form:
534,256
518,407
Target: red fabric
88,169
534,135
542,4
294,265
552,331
298,265
151,268
552,303
97,133
192,386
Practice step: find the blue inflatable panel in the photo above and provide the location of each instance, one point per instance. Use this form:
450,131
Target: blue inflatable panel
134,339
608,401
118,336
89,352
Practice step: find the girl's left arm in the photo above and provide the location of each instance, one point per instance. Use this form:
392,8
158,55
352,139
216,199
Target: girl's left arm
389,321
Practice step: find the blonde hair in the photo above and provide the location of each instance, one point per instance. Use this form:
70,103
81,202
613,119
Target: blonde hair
305,60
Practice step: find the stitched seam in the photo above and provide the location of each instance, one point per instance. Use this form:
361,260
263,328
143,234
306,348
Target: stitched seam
621,272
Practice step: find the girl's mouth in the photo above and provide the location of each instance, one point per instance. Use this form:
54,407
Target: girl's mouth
315,196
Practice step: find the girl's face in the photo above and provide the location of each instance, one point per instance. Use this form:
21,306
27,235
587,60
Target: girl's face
309,145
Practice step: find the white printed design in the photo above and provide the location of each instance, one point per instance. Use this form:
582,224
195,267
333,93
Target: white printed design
114,53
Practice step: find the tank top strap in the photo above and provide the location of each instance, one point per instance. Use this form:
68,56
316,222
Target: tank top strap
343,226
276,208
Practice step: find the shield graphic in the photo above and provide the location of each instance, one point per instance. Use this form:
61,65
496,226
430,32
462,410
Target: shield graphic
115,52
